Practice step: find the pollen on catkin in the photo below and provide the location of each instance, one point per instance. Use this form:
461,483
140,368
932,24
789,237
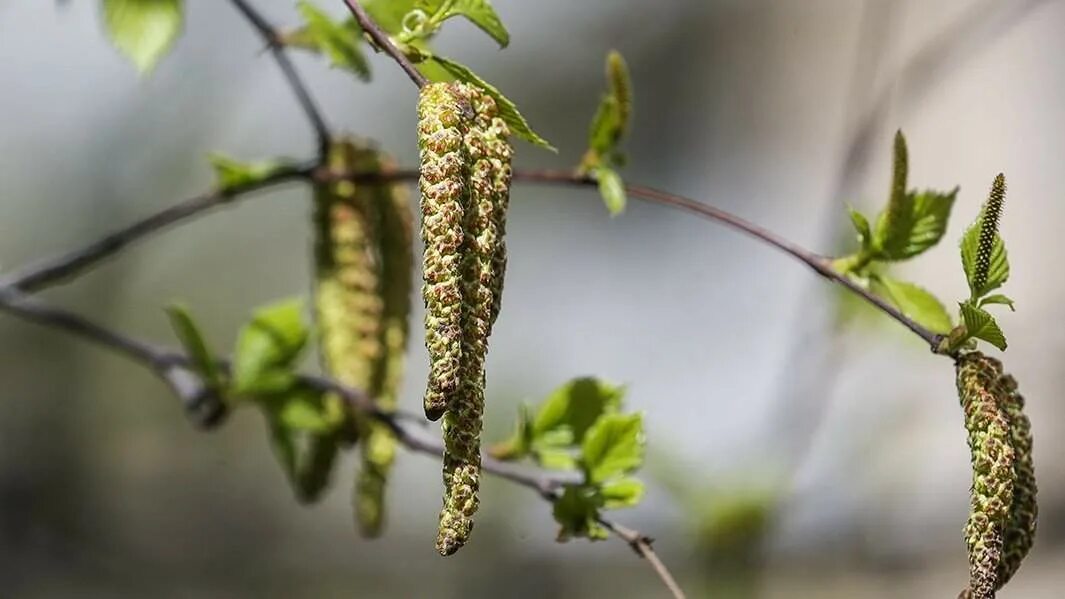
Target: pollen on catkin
992,456
444,118
483,262
1020,526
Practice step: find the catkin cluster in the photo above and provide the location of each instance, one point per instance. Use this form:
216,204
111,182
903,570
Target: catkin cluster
1002,515
465,185
363,261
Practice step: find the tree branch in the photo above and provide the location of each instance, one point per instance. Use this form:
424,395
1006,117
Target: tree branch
273,41
52,271
208,410
381,40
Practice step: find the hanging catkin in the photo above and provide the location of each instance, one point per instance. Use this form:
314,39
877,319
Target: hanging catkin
993,457
483,261
1020,526
396,259
444,118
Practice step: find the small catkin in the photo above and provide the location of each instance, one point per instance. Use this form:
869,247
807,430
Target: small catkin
993,457
989,220
444,118
397,261
1020,527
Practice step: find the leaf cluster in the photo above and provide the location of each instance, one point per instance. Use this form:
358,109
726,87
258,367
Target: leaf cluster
581,427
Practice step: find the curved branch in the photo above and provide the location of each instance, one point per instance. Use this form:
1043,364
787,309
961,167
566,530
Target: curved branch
52,271
381,40
273,41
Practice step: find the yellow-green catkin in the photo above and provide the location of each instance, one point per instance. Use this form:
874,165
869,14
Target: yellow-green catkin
347,293
1020,527
397,261
483,260
993,458
444,118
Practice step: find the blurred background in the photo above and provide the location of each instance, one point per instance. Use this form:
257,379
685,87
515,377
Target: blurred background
798,446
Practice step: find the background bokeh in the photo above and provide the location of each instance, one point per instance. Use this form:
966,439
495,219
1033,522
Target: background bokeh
798,447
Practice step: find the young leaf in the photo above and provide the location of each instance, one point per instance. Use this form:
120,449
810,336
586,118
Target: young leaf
861,225
143,30
577,513
268,346
479,12
300,409
915,302
611,121
507,110
340,41
575,406
550,458
611,188
232,174
388,14
520,442
918,229
983,253
613,447
192,341
622,493
981,325
998,298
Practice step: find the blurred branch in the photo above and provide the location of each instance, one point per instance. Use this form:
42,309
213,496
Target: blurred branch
52,271
380,39
274,42
208,409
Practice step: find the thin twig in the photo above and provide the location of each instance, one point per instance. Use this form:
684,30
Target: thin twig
273,41
380,38
175,369
49,272
641,544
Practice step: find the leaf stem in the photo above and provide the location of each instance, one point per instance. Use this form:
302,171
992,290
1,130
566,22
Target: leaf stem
380,38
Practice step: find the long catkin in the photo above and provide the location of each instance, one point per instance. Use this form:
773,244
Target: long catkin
993,459
1020,526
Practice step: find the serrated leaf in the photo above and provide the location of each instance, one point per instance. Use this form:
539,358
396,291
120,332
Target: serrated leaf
920,225
569,411
192,340
479,12
577,513
613,447
981,325
998,266
998,298
551,458
268,346
143,30
612,189
233,174
507,110
915,302
621,493
340,41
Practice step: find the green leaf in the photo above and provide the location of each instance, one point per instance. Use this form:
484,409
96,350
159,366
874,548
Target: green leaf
192,341
622,493
919,225
507,110
611,188
479,12
613,447
981,325
232,174
340,41
573,408
520,442
861,225
915,302
143,30
267,347
611,120
300,409
388,14
998,298
552,458
577,513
